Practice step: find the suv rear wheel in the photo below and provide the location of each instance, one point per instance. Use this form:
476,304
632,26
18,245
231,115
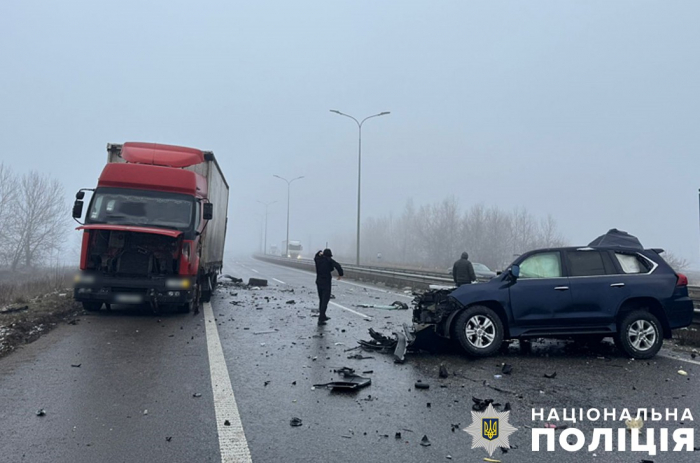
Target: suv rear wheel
479,331
639,335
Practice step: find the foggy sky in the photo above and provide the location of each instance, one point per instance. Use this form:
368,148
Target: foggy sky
586,110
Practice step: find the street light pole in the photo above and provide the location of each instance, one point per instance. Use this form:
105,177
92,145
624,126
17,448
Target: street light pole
266,204
359,169
289,183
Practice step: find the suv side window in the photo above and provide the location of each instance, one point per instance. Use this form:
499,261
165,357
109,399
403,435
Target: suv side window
585,263
632,263
542,265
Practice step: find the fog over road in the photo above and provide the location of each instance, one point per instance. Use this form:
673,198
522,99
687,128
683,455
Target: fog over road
133,396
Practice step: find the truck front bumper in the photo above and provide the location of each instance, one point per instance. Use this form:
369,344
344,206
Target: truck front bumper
121,290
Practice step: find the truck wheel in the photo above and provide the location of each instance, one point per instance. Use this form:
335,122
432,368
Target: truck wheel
91,306
479,331
206,288
639,335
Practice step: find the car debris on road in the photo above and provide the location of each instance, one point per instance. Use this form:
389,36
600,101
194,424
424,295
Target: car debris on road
350,380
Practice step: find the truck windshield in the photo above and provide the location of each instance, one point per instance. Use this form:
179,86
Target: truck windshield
117,206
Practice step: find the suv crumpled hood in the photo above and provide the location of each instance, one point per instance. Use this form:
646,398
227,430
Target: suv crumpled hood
491,290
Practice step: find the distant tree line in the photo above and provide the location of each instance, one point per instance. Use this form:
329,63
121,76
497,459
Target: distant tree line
33,218
435,235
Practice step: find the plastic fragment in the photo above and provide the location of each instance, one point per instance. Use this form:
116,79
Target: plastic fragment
295,422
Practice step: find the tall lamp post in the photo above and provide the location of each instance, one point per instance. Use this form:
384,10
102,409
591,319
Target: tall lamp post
289,183
359,169
266,204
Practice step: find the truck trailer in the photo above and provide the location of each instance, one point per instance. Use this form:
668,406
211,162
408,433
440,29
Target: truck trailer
154,229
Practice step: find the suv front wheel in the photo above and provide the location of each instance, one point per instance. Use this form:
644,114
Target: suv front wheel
479,330
639,335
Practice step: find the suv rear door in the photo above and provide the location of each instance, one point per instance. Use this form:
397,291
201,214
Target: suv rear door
540,291
597,289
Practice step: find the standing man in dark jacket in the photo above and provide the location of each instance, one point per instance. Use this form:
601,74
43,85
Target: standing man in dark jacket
463,271
324,267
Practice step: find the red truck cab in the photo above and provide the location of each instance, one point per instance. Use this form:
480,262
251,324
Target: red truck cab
152,232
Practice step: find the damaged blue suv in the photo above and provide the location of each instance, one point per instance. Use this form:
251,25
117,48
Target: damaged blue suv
626,292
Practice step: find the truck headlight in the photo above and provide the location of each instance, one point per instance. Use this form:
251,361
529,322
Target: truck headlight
177,283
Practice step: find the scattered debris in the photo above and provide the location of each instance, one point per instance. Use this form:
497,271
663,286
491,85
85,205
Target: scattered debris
295,422
197,395
264,332
368,372
443,371
396,305
350,380
76,365
425,442
233,279
169,438
482,404
421,385
635,424
456,426
145,412
682,372
550,375
14,309
359,357
397,435
266,383
227,423
257,282
41,412
507,369
491,460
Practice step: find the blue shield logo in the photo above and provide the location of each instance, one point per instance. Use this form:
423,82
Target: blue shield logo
489,428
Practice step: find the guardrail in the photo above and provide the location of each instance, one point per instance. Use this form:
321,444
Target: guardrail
413,278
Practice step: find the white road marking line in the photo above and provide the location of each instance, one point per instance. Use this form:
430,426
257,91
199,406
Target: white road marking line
350,310
254,270
279,281
672,357
232,442
347,282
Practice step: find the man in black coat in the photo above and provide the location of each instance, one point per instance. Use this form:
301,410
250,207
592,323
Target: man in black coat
324,267
463,271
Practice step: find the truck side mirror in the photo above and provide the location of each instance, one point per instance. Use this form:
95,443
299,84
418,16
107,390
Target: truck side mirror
80,195
77,209
208,211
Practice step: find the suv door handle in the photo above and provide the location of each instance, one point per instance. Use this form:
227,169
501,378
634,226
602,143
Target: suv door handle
617,285
561,288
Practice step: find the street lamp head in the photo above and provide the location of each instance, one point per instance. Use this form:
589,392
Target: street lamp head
384,113
335,111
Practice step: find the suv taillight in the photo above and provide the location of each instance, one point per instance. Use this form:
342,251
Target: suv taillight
682,280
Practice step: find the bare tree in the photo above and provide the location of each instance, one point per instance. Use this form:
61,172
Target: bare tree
677,263
39,217
8,195
434,235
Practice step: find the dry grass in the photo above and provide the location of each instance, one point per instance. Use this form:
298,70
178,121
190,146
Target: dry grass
22,286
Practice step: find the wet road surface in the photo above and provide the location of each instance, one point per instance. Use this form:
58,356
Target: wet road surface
273,354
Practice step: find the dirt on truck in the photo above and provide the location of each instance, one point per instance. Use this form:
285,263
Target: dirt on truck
154,229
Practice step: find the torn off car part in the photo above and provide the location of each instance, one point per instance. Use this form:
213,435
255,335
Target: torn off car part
396,305
350,380
257,282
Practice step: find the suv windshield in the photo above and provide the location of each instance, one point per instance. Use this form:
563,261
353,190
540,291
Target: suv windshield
118,206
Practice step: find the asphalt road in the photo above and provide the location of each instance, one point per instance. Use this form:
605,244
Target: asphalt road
132,397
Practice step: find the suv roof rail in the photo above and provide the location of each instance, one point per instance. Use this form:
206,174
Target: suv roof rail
658,250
